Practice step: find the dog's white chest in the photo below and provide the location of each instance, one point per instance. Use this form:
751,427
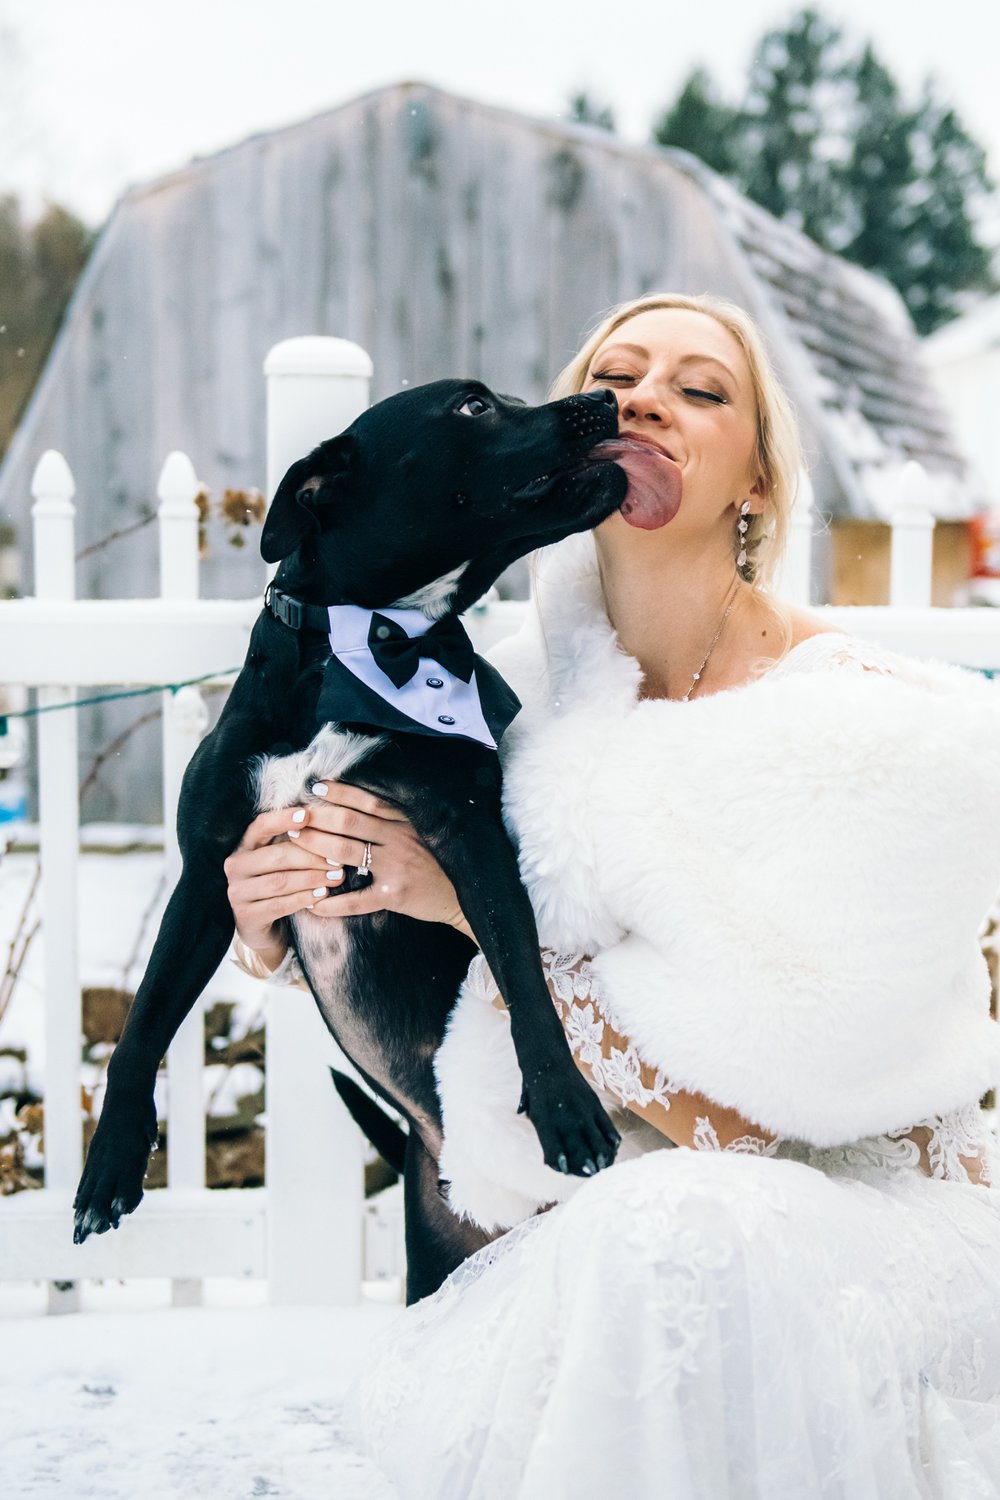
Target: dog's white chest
287,780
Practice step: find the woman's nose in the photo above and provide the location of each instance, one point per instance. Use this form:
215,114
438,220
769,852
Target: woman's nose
644,403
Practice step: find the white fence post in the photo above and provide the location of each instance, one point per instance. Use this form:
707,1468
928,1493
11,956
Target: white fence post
912,567
794,572
315,1176
53,515
185,719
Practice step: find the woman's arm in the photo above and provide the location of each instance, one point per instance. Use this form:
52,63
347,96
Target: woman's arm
611,1063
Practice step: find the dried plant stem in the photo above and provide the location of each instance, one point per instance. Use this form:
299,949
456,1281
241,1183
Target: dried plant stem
115,536
143,928
19,944
104,755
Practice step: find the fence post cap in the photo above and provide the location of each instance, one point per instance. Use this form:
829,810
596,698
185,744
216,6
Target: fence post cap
52,485
915,493
318,355
178,483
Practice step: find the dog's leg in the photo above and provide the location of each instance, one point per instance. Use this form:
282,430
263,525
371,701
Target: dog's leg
574,1130
437,1241
196,930
216,806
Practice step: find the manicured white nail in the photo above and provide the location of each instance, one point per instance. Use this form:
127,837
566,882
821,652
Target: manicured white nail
334,875
299,816
293,833
320,891
319,788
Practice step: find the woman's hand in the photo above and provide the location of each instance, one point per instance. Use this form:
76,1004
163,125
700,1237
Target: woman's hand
271,877
406,877
269,880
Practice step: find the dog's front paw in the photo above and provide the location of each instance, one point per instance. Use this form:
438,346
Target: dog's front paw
572,1125
111,1185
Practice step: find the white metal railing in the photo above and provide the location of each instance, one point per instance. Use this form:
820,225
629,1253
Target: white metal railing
303,1231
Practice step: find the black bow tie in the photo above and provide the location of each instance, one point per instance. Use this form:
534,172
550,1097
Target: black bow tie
398,655
344,699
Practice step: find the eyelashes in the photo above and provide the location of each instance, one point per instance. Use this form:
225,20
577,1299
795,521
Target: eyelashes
607,377
712,396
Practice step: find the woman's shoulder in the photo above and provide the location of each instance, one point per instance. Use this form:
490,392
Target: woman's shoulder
815,644
805,626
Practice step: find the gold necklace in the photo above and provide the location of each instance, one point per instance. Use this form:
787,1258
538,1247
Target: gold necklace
730,601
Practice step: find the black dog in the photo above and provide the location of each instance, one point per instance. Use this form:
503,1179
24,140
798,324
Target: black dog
421,502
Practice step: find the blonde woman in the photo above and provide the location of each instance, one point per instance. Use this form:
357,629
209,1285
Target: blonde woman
759,854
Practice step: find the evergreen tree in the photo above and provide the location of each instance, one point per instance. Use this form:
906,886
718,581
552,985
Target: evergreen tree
944,256
40,264
790,162
699,122
583,110
824,140
879,173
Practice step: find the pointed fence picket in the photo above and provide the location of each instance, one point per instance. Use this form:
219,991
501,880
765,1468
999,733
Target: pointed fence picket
304,1230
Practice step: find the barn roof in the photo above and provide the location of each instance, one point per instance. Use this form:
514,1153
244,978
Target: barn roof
858,360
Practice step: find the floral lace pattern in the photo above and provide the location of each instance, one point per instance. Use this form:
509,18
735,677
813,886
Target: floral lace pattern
588,1021
953,1147
707,1325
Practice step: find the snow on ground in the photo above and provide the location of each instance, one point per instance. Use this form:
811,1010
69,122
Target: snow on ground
131,1402
131,1399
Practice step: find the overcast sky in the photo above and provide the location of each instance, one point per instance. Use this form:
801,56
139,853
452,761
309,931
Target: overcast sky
97,94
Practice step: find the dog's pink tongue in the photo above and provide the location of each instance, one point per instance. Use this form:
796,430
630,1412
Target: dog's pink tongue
654,482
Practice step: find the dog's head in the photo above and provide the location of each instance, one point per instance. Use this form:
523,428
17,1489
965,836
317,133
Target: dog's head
447,478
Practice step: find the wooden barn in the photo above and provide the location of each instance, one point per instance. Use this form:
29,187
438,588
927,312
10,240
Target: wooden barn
446,237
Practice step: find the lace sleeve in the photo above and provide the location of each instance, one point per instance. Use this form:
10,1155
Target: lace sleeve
832,649
954,1147
249,960
606,1057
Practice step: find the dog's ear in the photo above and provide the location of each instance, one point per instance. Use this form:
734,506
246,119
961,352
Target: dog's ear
301,503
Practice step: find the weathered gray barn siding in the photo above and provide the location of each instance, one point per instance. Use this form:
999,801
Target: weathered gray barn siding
447,238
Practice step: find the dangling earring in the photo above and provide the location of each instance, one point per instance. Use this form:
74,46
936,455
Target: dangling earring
742,527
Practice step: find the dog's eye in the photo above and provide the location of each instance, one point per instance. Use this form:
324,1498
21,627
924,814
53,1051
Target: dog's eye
474,407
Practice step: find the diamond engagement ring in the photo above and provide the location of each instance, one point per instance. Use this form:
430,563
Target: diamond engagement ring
365,867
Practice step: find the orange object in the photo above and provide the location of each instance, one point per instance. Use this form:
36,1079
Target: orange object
984,534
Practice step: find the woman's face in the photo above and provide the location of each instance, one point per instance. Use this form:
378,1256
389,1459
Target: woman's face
682,380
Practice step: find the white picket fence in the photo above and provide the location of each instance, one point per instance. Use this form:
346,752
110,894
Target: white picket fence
304,1231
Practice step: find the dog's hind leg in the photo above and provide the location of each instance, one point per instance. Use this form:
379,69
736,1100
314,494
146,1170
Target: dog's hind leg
197,928
437,1241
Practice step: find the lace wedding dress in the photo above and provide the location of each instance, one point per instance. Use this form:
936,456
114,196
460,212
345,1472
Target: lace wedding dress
764,1321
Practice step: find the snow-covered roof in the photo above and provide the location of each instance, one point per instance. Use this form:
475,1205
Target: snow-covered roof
975,332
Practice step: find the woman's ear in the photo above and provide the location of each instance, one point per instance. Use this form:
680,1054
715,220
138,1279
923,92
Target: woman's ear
305,502
757,496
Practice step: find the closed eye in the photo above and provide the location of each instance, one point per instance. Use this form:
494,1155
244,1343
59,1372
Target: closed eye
608,377
705,395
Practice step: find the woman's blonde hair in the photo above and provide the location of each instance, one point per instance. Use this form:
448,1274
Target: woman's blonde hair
778,455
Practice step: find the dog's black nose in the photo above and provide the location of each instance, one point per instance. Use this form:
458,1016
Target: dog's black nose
602,397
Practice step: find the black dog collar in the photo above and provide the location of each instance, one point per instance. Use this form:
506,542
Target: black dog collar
295,614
